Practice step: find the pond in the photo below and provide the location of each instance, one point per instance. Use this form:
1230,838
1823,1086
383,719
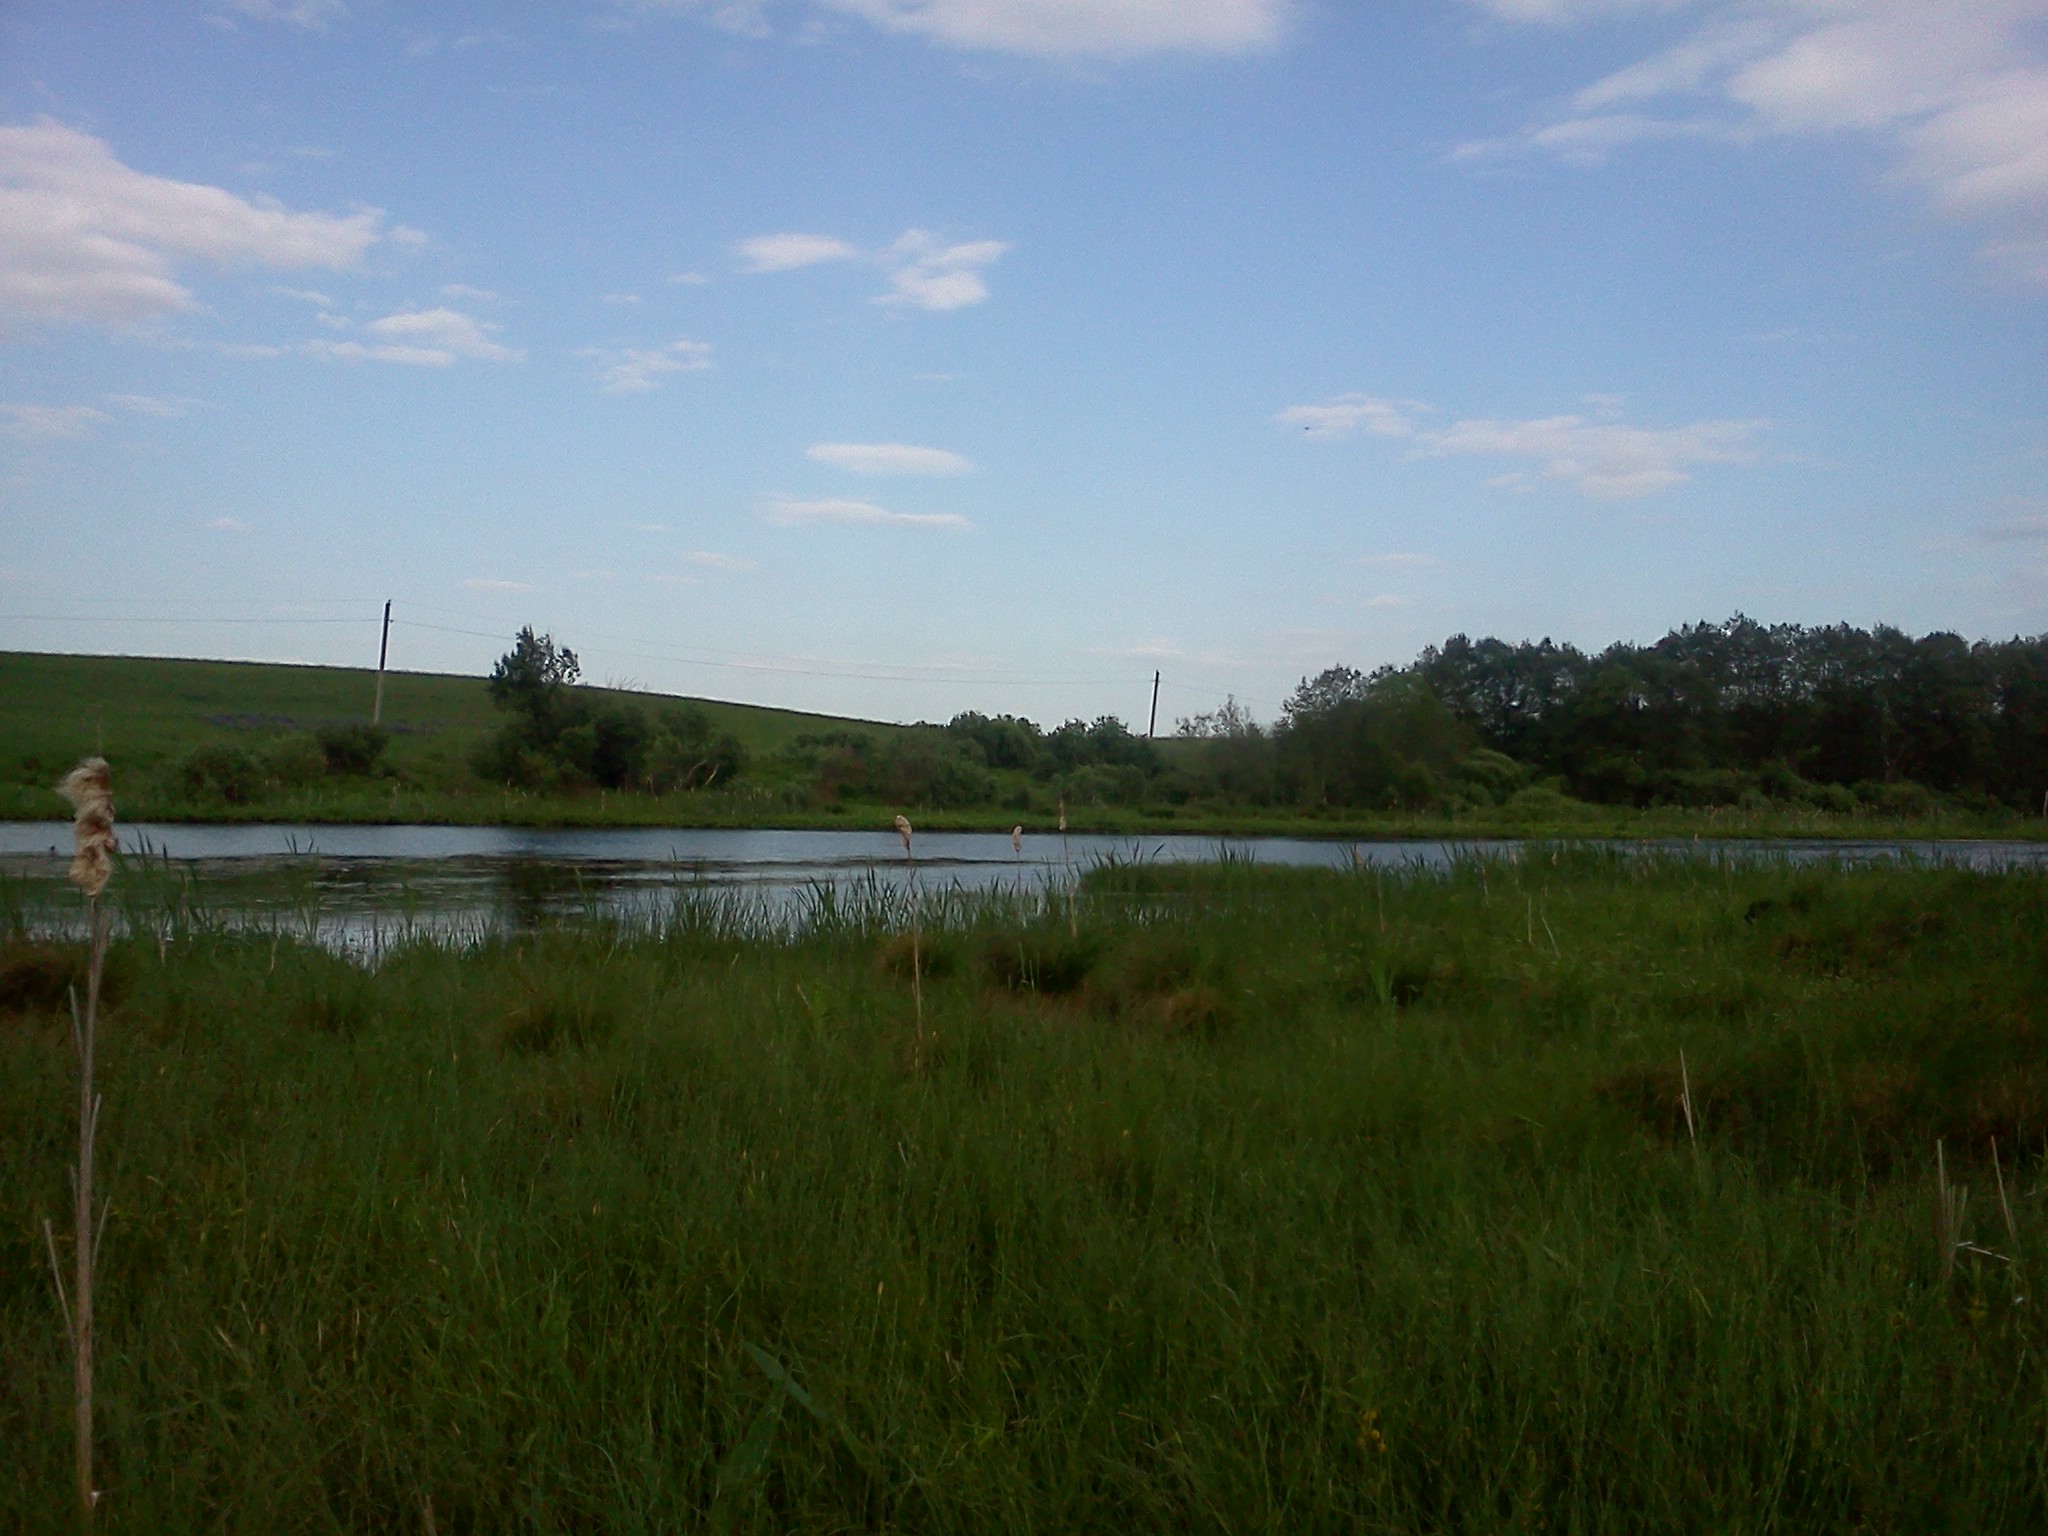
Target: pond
364,885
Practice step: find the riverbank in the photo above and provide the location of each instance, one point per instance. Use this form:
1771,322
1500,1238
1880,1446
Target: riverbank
1588,1195
1550,817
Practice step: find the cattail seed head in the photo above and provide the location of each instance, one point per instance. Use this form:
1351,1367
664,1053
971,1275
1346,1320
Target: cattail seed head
903,831
90,790
1017,839
1063,813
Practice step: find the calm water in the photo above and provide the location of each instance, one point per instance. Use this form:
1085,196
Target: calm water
362,885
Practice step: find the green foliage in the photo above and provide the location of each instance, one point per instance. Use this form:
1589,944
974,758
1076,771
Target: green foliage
294,761
221,771
1257,1200
533,679
353,749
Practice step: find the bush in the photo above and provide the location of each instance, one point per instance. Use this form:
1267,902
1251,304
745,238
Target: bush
294,761
352,749
219,771
1903,798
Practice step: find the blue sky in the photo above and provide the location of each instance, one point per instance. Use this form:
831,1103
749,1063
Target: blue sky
896,357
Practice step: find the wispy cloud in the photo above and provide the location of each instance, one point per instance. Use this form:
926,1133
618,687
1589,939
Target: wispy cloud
924,271
636,370
31,422
1058,29
2020,528
889,459
420,338
788,252
495,584
927,273
1958,92
1350,413
85,238
226,525
445,330
787,512
165,407
712,560
1599,455
1401,561
305,15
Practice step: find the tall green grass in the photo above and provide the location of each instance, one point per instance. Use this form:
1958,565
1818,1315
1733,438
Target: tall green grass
1284,1201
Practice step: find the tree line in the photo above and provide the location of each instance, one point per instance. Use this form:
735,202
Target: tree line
1835,717
1711,714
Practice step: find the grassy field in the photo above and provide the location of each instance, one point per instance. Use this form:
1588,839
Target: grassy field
142,713
1221,1199
145,713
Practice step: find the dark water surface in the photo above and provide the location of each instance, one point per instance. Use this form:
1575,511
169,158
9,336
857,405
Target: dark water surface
367,884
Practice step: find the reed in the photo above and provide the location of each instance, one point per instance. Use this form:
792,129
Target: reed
903,830
89,788
1240,1214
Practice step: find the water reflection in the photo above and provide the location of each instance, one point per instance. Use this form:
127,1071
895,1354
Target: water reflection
368,886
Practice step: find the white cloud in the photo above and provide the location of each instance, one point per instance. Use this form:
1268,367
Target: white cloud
169,408
227,525
47,421
462,291
926,273
690,279
787,252
620,298
1396,561
495,584
85,238
356,352
711,560
306,15
786,512
306,296
1082,28
2021,528
1958,93
1347,413
447,331
889,459
1601,456
1564,12
635,370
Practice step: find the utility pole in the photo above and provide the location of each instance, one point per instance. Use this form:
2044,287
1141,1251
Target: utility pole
1152,729
383,655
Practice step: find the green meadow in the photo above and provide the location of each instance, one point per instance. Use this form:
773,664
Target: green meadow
1578,1193
168,726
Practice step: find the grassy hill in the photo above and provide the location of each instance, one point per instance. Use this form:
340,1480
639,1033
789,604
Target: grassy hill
144,713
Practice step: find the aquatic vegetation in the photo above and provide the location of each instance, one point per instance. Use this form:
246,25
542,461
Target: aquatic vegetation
1599,1193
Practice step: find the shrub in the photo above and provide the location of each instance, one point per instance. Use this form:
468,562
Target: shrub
352,749
219,771
294,761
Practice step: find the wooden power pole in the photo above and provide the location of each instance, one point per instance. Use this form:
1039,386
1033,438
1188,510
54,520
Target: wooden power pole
1152,729
383,655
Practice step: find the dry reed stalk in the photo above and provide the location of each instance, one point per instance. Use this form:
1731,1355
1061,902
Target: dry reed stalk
1067,861
916,937
89,788
1951,1204
1692,1131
